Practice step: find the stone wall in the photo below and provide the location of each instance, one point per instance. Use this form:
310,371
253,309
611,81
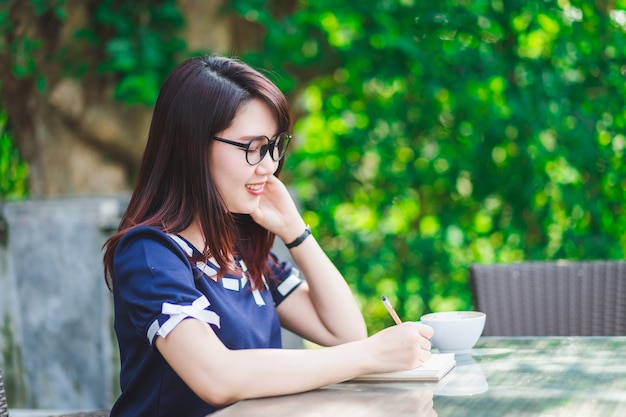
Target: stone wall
58,349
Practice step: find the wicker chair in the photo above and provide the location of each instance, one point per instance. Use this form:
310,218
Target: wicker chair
560,298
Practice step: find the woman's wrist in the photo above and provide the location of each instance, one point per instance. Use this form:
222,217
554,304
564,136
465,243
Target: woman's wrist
299,239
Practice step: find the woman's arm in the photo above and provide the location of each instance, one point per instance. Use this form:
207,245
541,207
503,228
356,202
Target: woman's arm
221,376
323,310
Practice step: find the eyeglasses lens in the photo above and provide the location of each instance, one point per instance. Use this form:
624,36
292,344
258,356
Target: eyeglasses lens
261,145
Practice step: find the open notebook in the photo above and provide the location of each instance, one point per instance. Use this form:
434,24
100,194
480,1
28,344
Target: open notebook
431,371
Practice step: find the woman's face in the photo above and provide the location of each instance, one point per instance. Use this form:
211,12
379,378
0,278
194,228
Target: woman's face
239,183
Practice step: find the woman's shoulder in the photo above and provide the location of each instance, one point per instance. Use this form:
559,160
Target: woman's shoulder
149,237
151,250
144,232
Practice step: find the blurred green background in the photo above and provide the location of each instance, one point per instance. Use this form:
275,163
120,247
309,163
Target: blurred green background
430,135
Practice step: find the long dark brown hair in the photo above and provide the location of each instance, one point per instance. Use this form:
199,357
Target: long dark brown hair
199,99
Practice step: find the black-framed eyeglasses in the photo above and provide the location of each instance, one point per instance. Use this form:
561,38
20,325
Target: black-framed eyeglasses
257,147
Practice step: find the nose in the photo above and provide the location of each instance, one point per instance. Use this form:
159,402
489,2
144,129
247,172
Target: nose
267,164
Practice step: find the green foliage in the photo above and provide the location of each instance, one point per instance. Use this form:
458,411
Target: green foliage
13,170
441,134
143,46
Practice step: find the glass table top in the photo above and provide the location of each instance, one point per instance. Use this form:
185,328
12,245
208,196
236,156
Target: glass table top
575,376
512,376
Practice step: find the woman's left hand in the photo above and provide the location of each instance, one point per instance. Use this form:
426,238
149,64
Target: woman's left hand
277,212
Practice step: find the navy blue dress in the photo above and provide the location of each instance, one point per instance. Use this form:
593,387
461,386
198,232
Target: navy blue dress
155,287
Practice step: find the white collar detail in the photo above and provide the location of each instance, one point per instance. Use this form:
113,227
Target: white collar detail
183,245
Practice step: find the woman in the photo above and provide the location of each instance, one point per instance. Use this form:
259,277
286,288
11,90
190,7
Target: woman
199,299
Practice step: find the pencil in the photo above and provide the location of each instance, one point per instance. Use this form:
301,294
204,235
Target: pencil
390,309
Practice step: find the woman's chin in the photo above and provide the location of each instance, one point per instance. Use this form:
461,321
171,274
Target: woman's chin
242,210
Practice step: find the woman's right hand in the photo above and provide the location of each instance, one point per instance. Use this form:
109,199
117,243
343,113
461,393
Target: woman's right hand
400,347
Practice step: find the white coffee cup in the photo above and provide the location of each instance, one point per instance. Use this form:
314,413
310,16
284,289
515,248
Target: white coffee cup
455,331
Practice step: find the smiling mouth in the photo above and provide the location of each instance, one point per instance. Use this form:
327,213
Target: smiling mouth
254,187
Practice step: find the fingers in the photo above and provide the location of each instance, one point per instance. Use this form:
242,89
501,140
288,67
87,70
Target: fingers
418,338
424,355
401,347
423,331
426,330
424,343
